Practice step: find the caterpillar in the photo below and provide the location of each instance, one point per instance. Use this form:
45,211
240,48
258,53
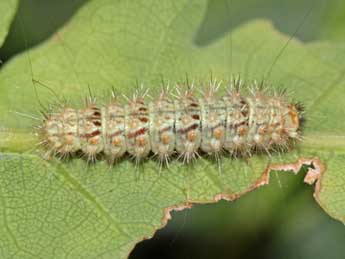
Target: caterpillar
184,124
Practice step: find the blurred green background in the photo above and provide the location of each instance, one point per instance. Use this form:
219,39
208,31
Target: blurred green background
281,220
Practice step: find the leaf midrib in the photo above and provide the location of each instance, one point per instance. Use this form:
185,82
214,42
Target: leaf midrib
21,140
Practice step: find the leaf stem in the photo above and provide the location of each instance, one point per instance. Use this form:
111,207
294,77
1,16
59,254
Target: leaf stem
323,141
22,140
17,140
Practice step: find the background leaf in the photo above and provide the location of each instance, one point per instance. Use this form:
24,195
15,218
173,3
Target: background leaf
325,19
55,209
34,22
7,9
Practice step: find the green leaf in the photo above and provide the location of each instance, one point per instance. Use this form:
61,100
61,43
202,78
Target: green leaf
7,10
321,20
54,209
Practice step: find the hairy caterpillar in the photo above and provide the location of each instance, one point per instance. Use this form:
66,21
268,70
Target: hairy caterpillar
236,123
